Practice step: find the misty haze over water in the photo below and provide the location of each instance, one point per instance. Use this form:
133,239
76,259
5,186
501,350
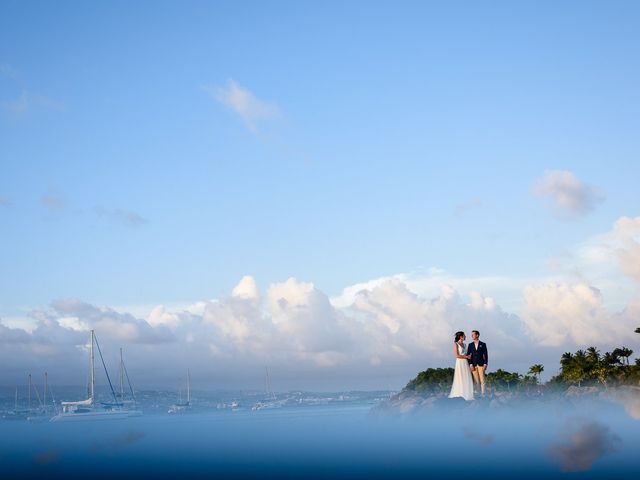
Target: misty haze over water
331,435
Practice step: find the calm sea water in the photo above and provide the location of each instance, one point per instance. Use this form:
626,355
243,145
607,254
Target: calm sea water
332,441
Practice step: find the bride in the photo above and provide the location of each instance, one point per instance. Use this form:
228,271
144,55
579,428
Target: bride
462,381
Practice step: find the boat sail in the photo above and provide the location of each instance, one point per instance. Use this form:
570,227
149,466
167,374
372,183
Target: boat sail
87,409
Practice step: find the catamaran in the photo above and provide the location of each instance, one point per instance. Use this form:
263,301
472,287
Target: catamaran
87,409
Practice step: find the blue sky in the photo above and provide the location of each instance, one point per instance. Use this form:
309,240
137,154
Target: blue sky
156,153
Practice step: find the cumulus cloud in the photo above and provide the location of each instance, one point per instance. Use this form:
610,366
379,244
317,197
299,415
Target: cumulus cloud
609,261
573,314
585,443
567,196
121,327
399,326
247,289
243,103
557,313
293,326
387,326
626,244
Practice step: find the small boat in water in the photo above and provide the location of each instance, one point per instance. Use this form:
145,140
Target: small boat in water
180,406
16,414
87,409
33,414
270,400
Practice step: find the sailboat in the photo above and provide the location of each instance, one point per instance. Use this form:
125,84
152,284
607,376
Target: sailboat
270,401
20,414
181,407
87,409
121,400
43,412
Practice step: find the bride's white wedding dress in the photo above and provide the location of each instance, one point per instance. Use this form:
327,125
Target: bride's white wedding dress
462,381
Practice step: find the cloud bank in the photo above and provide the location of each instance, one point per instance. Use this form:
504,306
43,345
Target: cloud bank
388,328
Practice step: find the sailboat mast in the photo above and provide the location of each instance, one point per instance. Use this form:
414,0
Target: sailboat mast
44,401
267,381
188,387
93,372
29,392
121,376
16,406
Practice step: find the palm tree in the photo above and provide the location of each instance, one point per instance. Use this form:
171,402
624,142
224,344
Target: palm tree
593,355
603,370
611,358
536,370
566,359
623,352
576,366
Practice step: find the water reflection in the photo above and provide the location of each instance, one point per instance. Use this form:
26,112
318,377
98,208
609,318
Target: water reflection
584,442
593,439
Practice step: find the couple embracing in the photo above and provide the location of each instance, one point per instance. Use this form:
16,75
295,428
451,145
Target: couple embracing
471,364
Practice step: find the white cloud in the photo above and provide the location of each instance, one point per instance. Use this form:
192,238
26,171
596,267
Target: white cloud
609,261
306,323
568,196
573,314
243,103
160,316
293,327
559,313
73,323
428,283
246,289
626,242
391,326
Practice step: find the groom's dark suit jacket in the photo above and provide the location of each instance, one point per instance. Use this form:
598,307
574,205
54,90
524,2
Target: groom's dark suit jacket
479,356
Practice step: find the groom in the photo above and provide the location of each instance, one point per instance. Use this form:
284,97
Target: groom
479,360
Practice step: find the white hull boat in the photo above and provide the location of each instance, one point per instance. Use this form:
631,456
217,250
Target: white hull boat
87,410
80,416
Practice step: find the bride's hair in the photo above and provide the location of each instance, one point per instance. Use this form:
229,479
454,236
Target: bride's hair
458,336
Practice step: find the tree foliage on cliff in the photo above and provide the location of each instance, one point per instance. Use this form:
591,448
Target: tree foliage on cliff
432,380
590,367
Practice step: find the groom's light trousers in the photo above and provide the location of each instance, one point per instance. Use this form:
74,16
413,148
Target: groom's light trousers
478,376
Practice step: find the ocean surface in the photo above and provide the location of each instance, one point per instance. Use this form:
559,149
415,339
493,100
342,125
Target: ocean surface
332,437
